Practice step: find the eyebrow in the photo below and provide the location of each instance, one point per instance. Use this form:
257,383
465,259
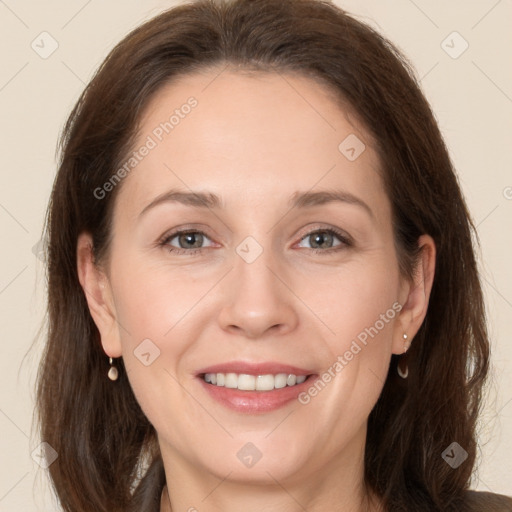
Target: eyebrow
297,200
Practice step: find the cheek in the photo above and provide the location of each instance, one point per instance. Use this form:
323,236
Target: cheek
360,308
154,311
151,302
355,299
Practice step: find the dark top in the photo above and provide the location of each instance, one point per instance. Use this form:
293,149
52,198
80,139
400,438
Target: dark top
488,502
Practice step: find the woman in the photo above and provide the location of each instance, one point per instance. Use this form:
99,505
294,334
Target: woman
322,342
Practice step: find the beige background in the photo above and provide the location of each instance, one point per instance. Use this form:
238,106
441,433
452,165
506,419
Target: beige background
471,96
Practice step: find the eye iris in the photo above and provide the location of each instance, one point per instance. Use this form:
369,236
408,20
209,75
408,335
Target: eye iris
190,237
320,238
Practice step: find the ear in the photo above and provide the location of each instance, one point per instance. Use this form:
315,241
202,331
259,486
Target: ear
415,297
98,294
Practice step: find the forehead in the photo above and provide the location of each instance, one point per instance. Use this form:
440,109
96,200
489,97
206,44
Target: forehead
250,137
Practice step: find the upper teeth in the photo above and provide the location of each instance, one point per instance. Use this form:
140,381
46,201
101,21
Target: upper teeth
252,382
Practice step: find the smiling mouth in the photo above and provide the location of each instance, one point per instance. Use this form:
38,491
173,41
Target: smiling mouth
246,382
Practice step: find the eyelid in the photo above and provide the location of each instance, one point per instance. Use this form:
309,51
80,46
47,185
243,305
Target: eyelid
173,233
186,228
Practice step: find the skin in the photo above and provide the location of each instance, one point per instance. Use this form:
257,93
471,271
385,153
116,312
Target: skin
255,139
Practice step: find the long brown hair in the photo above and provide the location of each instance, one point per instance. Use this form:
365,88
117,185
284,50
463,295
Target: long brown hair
108,456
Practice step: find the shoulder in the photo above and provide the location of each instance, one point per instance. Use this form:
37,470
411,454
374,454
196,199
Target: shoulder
488,502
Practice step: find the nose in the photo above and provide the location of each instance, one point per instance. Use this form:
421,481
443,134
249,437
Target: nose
259,299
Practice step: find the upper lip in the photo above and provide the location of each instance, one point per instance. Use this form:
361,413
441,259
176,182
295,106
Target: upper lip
264,368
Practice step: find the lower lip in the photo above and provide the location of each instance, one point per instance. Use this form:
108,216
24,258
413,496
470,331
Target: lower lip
255,401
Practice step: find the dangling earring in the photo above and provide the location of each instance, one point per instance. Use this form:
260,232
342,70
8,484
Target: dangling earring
403,373
112,373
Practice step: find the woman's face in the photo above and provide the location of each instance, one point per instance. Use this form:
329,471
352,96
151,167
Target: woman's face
272,278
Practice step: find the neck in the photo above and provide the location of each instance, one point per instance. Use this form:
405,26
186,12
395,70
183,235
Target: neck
337,486
368,504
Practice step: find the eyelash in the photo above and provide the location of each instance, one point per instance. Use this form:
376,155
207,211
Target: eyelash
344,239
